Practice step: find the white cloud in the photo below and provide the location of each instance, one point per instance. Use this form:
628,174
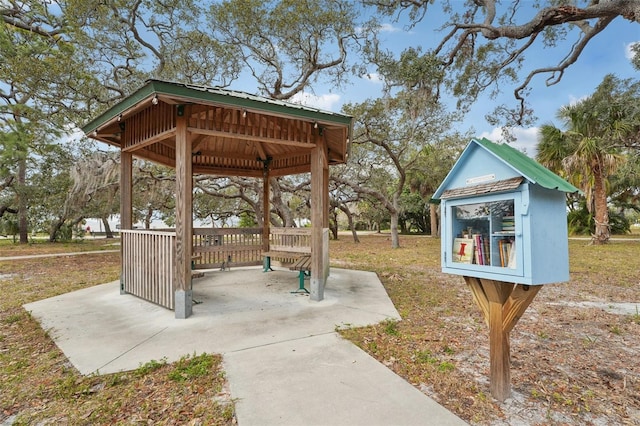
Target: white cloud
628,52
328,101
526,139
388,28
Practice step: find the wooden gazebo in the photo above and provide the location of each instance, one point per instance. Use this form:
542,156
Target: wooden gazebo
218,132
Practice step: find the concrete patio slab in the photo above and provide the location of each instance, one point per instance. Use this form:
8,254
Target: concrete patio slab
280,349
324,380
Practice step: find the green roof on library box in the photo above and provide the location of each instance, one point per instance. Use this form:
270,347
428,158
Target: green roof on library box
498,197
514,162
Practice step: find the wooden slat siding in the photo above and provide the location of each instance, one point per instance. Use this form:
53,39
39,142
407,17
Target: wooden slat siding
292,240
244,245
148,265
148,123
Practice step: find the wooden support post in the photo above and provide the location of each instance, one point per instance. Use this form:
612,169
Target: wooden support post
502,304
266,209
325,220
319,188
184,217
126,204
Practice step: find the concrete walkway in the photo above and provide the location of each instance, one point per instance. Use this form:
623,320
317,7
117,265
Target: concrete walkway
284,362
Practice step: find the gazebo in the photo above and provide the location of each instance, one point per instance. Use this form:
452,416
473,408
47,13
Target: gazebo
221,132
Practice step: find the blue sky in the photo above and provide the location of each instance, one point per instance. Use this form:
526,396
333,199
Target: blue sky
607,53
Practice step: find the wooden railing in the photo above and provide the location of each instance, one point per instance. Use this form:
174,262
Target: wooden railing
148,256
148,265
227,247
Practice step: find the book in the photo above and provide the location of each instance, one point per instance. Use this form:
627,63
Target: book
506,249
486,251
512,255
463,250
477,239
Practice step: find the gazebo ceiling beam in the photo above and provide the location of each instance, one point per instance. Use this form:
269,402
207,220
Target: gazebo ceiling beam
225,171
294,170
241,137
197,141
217,154
260,149
160,159
157,138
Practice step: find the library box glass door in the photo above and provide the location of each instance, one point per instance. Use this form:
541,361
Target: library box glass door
485,234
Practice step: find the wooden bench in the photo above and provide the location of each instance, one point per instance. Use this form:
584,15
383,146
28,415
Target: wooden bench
293,245
303,265
288,244
276,254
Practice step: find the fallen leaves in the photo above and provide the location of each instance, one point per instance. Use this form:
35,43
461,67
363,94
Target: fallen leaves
571,364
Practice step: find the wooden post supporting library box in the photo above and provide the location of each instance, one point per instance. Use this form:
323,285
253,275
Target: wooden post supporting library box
504,229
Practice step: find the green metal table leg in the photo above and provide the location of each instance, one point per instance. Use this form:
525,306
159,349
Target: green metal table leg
266,266
301,288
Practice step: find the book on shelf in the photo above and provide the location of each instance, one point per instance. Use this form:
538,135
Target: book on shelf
463,250
507,251
508,223
512,256
482,250
478,249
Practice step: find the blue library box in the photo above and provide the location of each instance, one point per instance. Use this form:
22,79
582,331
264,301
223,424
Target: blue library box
504,217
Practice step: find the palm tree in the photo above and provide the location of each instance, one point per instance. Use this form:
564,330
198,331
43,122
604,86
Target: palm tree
588,153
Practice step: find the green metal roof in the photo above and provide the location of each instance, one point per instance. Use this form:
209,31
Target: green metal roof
528,167
190,93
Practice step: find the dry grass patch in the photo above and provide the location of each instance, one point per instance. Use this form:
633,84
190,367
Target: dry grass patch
40,386
41,246
570,364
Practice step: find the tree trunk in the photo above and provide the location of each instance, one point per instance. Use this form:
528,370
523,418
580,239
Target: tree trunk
279,205
395,217
395,239
433,215
601,213
333,227
333,223
55,227
148,217
352,227
22,201
107,229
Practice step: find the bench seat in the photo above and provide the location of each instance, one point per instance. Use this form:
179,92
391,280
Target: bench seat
303,265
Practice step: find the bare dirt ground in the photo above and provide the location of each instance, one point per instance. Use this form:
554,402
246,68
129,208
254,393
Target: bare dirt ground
575,354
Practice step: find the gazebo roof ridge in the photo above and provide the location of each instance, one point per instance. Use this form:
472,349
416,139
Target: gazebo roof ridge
233,132
216,95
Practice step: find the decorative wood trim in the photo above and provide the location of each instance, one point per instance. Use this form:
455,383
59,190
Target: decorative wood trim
157,138
262,139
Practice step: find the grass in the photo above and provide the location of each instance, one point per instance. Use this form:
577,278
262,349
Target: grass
558,352
40,386
42,246
570,364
